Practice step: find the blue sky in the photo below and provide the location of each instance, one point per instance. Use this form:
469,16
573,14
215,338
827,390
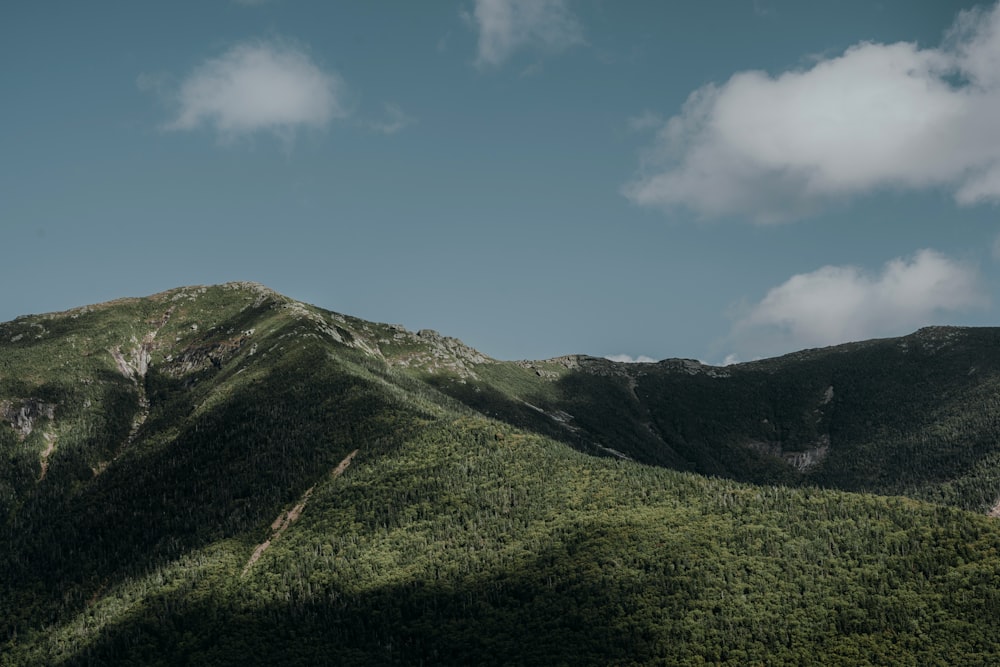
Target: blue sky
706,179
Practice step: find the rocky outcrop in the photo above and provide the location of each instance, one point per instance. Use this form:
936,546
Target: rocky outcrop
808,459
135,365
538,368
197,357
22,414
693,367
332,325
803,460
132,367
434,353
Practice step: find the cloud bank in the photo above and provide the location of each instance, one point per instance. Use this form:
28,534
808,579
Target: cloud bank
626,359
258,87
836,304
508,26
777,148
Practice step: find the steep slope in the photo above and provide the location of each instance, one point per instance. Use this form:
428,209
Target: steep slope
918,415
177,420
152,446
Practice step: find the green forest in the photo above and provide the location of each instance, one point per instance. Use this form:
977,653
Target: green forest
222,475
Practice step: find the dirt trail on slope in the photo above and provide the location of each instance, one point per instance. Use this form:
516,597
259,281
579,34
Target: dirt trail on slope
51,439
286,519
342,466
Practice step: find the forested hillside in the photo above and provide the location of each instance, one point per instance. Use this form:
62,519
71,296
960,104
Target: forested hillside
223,475
917,416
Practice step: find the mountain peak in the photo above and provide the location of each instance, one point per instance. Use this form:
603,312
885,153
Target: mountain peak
149,443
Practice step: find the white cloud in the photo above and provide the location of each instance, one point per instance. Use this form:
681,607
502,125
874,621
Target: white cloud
259,86
395,120
626,359
507,26
776,148
836,304
729,360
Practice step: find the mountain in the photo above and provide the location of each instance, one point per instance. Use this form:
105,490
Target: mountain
917,415
223,475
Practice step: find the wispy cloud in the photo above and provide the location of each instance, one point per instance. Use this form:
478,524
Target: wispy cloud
508,26
777,148
259,86
836,304
442,44
626,359
647,120
534,69
394,121
760,8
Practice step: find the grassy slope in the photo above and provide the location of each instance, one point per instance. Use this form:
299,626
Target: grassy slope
454,536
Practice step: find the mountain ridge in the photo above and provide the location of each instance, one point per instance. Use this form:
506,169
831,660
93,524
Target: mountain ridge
801,510
545,395
266,292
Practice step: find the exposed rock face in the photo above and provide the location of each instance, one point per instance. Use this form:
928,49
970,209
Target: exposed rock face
436,353
264,294
136,364
802,460
827,396
331,324
130,367
23,414
805,461
606,367
539,370
570,361
694,367
199,357
995,510
592,365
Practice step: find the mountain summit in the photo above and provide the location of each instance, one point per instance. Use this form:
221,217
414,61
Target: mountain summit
223,474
